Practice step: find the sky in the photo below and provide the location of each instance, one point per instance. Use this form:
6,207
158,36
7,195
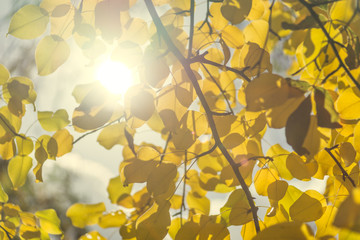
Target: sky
92,165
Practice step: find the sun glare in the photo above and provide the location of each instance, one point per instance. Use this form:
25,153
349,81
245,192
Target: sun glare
115,76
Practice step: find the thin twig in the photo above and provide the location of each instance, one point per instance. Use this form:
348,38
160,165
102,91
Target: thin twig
345,174
10,128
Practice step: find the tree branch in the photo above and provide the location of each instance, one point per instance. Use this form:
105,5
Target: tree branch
186,65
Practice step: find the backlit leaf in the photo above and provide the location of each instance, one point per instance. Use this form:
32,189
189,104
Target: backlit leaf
49,221
235,11
3,196
236,210
297,126
29,22
348,104
18,169
266,91
160,178
92,235
285,231
83,215
112,219
307,207
201,204
53,121
51,52
4,74
154,222
64,142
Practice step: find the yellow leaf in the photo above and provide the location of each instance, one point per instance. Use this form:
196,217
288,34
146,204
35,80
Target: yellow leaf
324,224
51,52
277,190
18,170
92,235
113,219
53,121
160,178
236,10
257,10
356,142
62,20
308,207
292,194
286,231
278,115
279,156
64,142
156,71
117,191
201,204
236,210
135,170
233,36
21,88
348,104
254,58
266,91
24,145
248,231
142,104
4,74
188,231
256,32
83,215
263,178
299,168
29,22
3,196
113,134
176,224
347,153
49,221
342,11
154,222
217,19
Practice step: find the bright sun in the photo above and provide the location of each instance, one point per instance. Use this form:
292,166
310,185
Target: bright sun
115,77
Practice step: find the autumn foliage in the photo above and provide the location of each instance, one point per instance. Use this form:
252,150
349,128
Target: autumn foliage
211,89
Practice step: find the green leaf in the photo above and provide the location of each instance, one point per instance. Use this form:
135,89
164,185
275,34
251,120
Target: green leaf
29,22
4,74
51,52
49,221
18,170
53,121
3,196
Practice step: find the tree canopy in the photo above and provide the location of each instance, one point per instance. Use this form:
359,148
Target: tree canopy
214,77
